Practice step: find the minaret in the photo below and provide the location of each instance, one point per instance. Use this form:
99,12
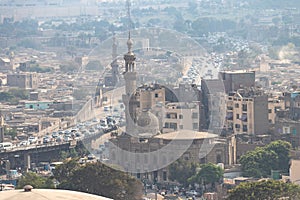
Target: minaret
114,64
1,129
130,77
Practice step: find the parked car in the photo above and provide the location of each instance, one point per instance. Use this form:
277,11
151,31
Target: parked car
192,193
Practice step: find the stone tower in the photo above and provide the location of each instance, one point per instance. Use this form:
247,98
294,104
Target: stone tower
114,64
130,77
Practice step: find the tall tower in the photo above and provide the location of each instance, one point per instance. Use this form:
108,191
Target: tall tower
130,77
114,64
1,128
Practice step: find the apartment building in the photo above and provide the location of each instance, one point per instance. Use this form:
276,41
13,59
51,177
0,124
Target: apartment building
234,80
181,115
294,171
275,104
247,112
23,80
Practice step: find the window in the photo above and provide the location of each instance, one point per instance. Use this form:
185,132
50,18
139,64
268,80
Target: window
237,126
229,116
171,115
229,108
173,126
270,110
244,107
167,125
202,160
164,175
156,95
195,115
155,175
245,129
219,158
237,116
236,105
195,126
180,116
244,117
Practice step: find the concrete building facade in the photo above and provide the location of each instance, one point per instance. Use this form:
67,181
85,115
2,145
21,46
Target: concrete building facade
294,171
23,80
181,115
247,112
234,80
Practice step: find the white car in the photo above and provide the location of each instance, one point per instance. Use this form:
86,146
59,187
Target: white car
32,139
24,143
67,139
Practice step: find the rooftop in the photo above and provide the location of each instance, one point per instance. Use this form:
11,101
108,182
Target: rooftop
48,194
186,135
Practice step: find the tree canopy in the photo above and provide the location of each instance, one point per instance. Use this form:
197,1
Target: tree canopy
97,178
259,162
209,173
36,181
265,190
181,171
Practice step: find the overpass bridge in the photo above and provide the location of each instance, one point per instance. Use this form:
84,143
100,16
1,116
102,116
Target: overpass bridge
36,153
24,156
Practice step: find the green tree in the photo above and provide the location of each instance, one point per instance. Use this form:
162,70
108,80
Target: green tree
6,96
11,132
182,170
66,170
35,181
100,179
282,149
208,174
19,93
265,190
259,162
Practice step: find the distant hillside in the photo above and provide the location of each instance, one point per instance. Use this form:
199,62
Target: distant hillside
273,4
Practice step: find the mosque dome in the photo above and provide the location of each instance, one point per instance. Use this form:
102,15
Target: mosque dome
147,123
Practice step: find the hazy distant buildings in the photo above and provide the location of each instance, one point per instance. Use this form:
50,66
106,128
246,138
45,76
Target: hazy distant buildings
5,64
23,80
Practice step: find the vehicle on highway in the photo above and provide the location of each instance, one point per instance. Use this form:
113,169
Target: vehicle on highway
32,139
6,146
67,138
24,143
55,134
46,140
59,139
106,108
53,165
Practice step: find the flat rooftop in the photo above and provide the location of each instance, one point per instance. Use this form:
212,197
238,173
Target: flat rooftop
186,135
